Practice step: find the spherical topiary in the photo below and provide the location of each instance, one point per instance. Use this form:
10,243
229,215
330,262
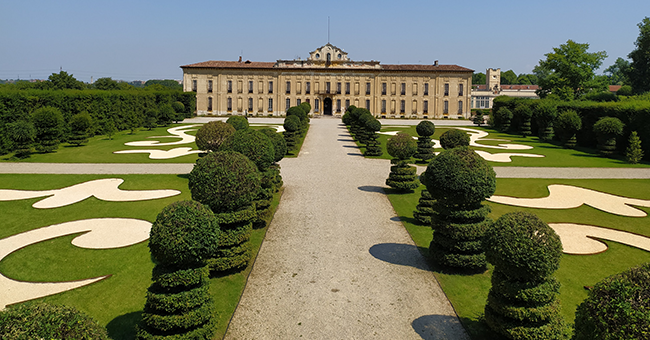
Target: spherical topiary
253,144
567,124
460,177
454,138
373,125
184,234
279,144
347,118
401,146
45,321
425,128
305,107
607,129
297,111
238,122
225,181
291,123
212,135
523,246
617,307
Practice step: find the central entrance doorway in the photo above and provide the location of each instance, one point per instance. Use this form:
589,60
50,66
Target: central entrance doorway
327,106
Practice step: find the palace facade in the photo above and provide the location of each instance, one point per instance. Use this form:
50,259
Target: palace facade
330,82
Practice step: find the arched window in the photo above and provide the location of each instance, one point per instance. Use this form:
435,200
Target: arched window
329,57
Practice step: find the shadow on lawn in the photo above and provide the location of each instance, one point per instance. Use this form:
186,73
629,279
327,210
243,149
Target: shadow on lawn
434,327
400,254
123,326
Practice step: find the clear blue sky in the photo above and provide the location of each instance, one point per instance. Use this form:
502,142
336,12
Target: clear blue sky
133,40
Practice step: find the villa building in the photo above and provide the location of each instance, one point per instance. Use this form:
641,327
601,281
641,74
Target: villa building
330,82
483,95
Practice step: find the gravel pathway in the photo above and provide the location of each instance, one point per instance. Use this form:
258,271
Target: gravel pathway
336,263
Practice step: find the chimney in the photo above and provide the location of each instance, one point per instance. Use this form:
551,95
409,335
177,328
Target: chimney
435,63
240,59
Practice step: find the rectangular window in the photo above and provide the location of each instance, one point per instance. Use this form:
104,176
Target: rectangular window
414,89
298,101
299,88
270,104
383,106
288,87
338,88
368,104
327,87
316,105
460,90
250,86
307,87
426,89
402,106
338,105
367,88
229,86
425,106
209,103
270,87
209,86
250,104
240,86
460,106
383,89
229,104
445,108
194,85
446,89
403,89
347,88
288,104
347,104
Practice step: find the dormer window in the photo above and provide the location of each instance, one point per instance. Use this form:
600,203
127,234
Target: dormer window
317,55
339,56
329,57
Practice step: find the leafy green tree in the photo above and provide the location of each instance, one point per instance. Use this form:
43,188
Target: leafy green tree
45,321
478,78
639,71
80,126
168,84
166,114
527,79
49,125
109,129
618,72
21,136
479,117
105,84
571,71
63,80
634,152
151,119
508,77
179,109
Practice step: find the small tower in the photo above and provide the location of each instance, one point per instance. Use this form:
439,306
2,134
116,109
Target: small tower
493,79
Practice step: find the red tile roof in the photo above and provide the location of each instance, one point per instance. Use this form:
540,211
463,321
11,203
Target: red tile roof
510,87
270,65
614,88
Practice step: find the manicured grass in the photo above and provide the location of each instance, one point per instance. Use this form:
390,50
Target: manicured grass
468,293
116,302
554,154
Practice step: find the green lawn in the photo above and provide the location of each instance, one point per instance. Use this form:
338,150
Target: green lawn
115,302
554,154
468,293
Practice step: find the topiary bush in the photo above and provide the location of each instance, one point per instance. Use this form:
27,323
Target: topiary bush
300,112
454,138
522,303
373,147
424,211
238,122
279,143
225,181
524,114
183,238
617,307
234,247
402,177
45,321
567,124
21,138
253,144
49,126
425,130
459,180
546,112
212,135
606,130
634,151
479,117
291,130
80,126
504,116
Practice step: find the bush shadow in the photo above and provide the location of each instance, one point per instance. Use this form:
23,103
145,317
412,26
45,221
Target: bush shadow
400,254
345,140
351,146
123,326
184,176
354,154
437,327
371,188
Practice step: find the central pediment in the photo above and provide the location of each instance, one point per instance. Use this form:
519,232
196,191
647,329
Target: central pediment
328,53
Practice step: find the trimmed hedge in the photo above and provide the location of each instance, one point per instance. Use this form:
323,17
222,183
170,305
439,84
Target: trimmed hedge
522,303
225,181
291,131
238,122
279,143
567,124
454,138
617,307
402,176
45,321
459,180
253,144
49,126
212,135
